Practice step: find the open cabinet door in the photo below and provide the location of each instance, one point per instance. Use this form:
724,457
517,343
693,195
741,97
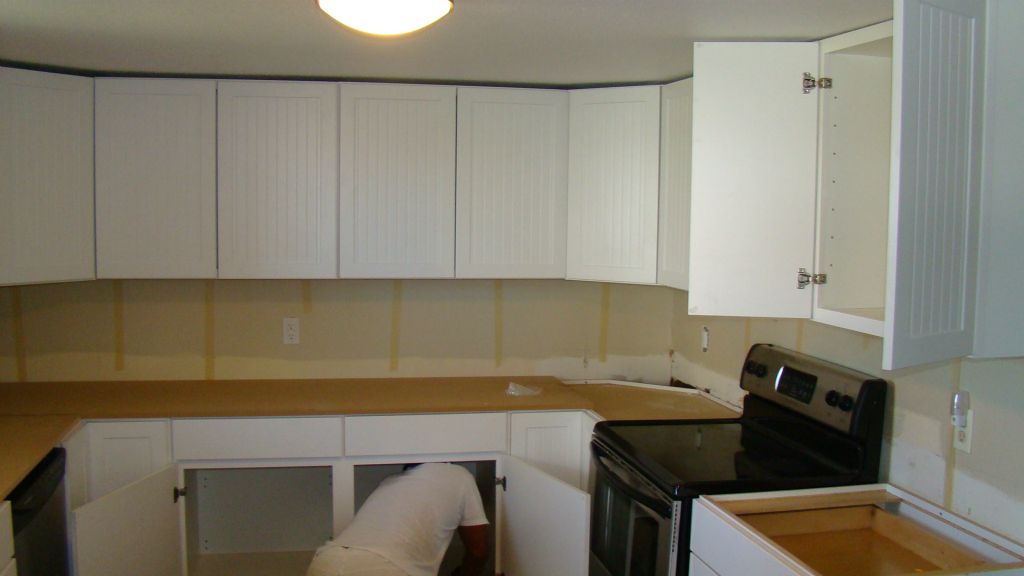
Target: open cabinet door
754,179
544,523
938,77
130,531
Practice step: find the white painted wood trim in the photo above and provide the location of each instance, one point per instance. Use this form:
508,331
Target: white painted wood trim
255,438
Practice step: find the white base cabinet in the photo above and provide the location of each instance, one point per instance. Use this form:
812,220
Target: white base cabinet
129,516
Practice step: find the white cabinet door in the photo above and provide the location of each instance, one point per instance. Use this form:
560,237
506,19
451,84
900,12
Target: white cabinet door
544,523
674,188
46,177
613,184
156,178
133,530
277,179
120,453
939,49
397,212
754,179
550,441
512,183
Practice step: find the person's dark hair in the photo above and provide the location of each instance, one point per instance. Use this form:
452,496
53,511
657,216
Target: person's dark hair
410,466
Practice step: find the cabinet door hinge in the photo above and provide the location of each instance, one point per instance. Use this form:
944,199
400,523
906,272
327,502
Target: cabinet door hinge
503,482
803,278
179,493
810,83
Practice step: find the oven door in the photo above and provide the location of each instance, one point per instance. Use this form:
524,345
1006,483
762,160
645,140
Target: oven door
634,527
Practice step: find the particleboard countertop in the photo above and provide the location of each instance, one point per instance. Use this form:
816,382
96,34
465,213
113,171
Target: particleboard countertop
35,416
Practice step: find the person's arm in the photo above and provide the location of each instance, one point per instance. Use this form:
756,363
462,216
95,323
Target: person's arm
474,539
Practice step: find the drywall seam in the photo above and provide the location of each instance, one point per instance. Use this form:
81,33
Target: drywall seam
18,322
606,300
396,322
307,297
747,333
800,325
209,350
499,323
118,289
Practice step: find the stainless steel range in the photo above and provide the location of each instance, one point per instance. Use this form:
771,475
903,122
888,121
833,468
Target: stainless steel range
806,423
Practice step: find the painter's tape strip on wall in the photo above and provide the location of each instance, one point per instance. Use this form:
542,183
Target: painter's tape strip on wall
118,288
208,333
499,323
307,296
19,334
396,322
606,303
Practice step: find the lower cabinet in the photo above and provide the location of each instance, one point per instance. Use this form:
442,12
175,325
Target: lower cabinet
195,516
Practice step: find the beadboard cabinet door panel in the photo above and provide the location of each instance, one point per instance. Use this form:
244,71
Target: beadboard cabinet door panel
397,153
613,184
939,65
277,180
156,178
46,177
754,179
674,186
512,183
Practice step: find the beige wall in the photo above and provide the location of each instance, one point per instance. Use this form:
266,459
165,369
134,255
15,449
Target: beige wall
372,328
986,485
232,329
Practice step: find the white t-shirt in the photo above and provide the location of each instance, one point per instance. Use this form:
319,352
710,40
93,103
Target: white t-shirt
411,517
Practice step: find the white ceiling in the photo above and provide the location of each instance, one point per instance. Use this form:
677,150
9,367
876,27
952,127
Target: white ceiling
544,42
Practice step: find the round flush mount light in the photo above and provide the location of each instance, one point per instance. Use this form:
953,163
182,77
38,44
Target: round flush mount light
386,17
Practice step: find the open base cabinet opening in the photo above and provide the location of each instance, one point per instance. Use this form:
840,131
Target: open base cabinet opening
256,521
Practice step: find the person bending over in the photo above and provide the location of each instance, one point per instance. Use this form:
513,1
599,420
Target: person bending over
406,524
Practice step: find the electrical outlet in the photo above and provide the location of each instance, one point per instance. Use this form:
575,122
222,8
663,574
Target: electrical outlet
291,330
962,436
705,338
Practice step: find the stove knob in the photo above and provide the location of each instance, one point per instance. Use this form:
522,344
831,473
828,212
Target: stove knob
750,366
832,398
760,370
755,368
846,403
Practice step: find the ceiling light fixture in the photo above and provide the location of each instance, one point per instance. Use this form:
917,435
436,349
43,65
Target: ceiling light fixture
386,17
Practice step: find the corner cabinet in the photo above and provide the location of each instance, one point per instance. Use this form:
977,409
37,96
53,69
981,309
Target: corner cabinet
613,184
879,211
156,178
512,182
46,177
277,179
397,216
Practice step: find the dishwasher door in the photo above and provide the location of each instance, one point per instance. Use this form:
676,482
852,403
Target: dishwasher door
39,517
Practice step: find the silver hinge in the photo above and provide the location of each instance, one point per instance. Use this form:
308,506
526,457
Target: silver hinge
179,493
503,482
810,83
803,278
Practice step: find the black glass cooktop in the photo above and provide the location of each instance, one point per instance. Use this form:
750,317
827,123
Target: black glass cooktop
686,457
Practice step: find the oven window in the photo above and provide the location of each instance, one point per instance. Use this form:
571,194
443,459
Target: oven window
625,536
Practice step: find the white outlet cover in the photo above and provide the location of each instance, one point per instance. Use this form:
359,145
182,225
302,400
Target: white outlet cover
291,330
962,436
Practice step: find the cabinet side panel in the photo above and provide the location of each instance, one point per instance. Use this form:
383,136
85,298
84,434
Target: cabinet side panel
674,188
939,52
754,179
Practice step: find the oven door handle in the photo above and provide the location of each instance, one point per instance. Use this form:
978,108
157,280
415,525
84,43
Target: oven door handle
644,497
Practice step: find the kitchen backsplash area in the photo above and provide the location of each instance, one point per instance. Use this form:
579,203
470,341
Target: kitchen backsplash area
185,329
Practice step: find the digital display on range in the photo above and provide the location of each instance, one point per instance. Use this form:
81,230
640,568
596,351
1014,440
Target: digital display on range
796,384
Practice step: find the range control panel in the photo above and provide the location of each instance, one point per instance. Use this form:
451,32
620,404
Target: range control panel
827,392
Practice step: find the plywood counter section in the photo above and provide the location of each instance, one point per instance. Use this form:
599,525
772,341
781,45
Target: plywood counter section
192,398
24,441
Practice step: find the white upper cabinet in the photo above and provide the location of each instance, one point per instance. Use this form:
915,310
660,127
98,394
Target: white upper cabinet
754,150
277,179
512,183
397,213
892,249
613,184
156,178
46,177
674,188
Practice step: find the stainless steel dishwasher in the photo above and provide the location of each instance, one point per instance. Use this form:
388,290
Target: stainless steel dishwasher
39,516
